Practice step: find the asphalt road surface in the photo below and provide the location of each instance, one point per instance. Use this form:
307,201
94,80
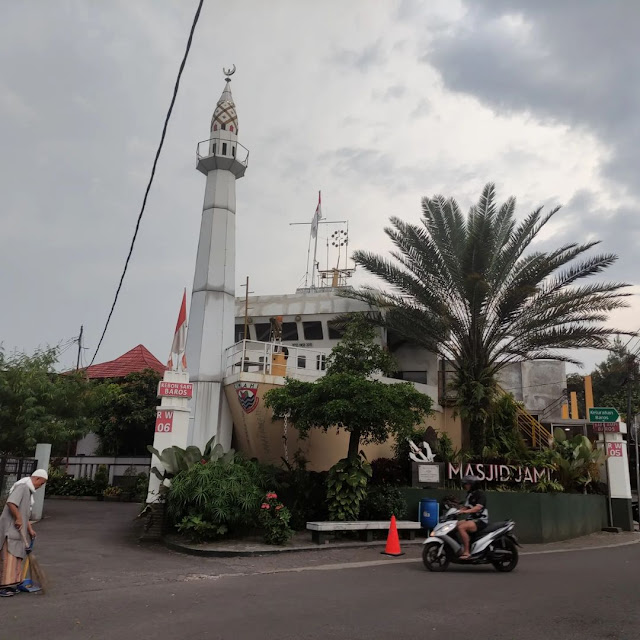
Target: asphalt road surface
105,586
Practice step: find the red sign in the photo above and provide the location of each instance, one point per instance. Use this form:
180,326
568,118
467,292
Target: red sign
164,421
614,449
606,427
175,389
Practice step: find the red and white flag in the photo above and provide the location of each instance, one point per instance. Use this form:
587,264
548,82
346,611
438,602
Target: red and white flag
180,338
317,216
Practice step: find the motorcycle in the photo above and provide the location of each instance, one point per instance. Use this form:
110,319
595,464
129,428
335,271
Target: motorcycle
496,544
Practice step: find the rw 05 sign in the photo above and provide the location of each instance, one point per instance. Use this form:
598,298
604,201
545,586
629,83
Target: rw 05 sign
614,450
164,421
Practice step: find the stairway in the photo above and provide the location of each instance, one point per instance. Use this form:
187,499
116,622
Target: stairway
536,435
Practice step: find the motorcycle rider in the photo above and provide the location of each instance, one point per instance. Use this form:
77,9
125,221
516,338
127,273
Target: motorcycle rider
475,509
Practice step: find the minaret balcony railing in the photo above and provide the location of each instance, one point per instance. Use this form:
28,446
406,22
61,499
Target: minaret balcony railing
215,147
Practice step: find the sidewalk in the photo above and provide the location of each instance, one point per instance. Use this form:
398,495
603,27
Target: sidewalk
301,543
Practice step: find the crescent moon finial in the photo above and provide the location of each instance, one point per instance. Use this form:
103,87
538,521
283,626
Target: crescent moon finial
229,72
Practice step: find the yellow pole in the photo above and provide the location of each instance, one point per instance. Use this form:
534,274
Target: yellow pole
588,395
565,411
574,405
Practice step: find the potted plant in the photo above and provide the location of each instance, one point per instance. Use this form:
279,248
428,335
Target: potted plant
112,494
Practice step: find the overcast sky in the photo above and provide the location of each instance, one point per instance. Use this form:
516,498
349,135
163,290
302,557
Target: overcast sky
377,103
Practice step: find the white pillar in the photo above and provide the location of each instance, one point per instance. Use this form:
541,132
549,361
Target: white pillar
43,455
179,411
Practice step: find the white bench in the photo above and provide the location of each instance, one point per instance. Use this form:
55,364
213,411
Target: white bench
320,530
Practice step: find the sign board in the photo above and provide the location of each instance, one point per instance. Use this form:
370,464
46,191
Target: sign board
164,421
175,389
606,427
497,472
614,449
603,414
429,473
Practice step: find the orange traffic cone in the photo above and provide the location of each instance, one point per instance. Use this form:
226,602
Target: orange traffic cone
393,541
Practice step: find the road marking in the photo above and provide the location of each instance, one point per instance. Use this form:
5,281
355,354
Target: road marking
380,563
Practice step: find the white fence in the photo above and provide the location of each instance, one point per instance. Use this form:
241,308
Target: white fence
87,466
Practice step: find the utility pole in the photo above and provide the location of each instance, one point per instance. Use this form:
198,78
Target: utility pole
246,309
79,347
630,385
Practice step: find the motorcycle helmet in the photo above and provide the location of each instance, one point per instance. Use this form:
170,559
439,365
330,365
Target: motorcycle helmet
472,480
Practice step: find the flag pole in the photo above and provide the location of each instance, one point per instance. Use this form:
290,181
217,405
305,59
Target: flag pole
315,246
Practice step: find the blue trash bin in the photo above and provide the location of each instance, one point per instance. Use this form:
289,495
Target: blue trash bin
429,512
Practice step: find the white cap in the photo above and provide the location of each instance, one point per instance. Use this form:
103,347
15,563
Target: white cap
40,473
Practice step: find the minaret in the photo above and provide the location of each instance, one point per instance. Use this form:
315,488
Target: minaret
211,321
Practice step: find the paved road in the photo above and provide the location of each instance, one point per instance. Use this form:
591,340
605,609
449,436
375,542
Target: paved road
105,586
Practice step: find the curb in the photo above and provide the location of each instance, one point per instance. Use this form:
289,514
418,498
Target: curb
228,553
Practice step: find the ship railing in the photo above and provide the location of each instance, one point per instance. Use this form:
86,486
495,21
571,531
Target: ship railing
273,358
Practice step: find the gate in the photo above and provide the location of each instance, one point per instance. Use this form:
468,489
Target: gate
12,470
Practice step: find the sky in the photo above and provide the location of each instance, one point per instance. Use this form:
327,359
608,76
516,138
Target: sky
375,102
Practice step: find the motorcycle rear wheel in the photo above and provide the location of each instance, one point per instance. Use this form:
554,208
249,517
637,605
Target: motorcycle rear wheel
434,560
507,562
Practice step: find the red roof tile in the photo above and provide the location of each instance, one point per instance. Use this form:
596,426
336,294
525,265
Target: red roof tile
138,359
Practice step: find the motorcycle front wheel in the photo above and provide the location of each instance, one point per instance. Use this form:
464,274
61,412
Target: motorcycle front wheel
432,558
508,560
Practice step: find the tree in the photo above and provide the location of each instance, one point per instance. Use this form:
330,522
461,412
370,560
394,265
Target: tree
125,411
39,405
468,289
575,383
348,398
610,379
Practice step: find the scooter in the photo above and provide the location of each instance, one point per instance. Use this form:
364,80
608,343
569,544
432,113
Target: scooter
496,544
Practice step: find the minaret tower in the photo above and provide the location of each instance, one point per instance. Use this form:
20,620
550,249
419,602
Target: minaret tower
211,320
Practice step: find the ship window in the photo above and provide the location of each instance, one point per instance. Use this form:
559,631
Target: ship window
224,148
263,331
414,376
336,330
312,330
321,362
302,362
214,148
239,333
289,331
233,151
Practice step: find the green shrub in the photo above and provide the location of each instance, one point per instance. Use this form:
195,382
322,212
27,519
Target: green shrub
382,502
227,492
141,488
199,530
274,520
347,487
389,471
68,486
305,493
101,478
112,492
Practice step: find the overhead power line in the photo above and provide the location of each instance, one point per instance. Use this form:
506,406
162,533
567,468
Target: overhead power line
153,171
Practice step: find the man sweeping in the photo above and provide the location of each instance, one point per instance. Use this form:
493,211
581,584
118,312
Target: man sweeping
16,531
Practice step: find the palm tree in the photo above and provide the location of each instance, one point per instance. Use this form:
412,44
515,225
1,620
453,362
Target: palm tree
467,289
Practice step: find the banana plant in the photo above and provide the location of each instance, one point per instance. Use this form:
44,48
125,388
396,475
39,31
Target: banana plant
576,461
176,459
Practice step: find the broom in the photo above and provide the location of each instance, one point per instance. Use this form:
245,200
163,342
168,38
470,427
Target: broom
33,568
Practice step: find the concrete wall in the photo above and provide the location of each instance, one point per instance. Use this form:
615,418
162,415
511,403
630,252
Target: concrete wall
539,517
538,384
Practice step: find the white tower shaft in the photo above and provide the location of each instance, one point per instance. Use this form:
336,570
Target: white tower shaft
211,320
